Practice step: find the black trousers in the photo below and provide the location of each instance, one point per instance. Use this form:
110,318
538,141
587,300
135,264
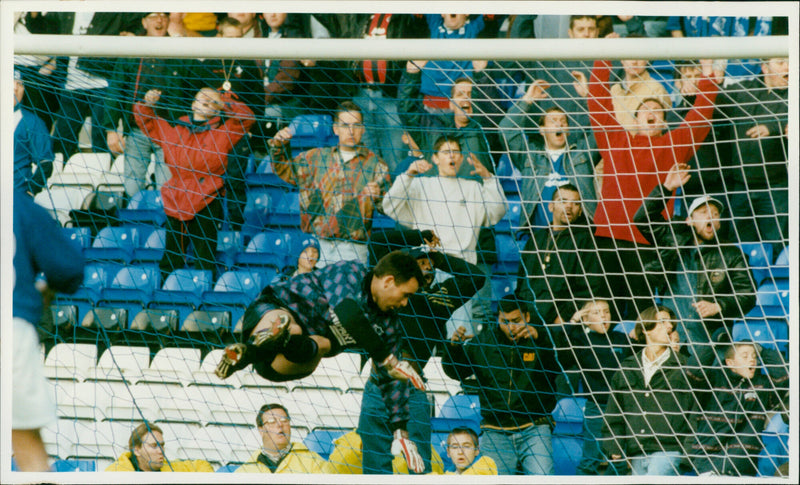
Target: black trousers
201,232
623,264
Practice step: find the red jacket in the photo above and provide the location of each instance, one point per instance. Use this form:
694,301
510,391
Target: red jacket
196,155
635,164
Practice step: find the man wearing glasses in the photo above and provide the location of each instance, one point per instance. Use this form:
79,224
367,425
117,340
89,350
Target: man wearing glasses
278,454
340,186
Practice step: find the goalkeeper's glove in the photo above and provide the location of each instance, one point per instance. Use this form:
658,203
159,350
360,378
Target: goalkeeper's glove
401,444
402,370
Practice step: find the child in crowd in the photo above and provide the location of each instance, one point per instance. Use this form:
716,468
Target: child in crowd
305,255
463,450
590,354
741,401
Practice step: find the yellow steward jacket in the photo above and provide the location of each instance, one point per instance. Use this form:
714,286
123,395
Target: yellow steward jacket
346,457
299,460
124,464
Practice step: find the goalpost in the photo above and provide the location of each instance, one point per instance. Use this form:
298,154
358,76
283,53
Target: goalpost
156,367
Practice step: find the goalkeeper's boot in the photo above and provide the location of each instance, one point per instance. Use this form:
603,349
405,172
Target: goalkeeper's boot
234,358
238,355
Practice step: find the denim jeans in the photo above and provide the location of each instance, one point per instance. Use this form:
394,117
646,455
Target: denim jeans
532,448
384,134
658,463
376,436
138,149
592,431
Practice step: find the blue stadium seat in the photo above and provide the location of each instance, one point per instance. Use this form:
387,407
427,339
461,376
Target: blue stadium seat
780,270
145,207
510,221
773,298
207,320
233,291
80,236
759,258
769,332
310,131
567,454
95,278
439,443
266,249
112,244
229,244
462,406
257,210
264,176
625,326
227,468
568,416
74,465
285,209
776,446
151,245
508,254
131,289
382,221
321,440
182,291
502,285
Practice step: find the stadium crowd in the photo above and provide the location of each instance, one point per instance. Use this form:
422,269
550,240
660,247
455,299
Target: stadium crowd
621,192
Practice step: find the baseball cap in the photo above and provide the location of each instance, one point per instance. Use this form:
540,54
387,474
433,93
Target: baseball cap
706,199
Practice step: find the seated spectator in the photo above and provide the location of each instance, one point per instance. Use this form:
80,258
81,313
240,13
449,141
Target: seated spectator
146,454
646,417
278,454
560,262
347,455
305,257
514,365
463,449
633,163
339,186
38,70
757,179
549,160
439,76
590,354
32,145
706,277
438,203
196,151
130,78
727,436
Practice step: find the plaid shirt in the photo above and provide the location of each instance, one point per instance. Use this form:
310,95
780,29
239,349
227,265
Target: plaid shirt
332,199
309,297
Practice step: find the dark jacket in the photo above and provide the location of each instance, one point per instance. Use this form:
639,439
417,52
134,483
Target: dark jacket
558,270
530,158
133,77
429,309
727,437
757,163
642,419
515,380
591,358
727,279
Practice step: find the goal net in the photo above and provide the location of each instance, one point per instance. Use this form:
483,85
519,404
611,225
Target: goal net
636,208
